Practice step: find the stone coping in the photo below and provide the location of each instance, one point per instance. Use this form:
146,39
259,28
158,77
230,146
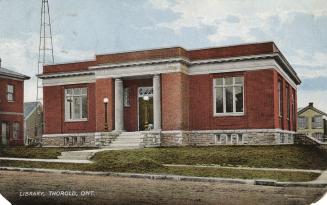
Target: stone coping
263,182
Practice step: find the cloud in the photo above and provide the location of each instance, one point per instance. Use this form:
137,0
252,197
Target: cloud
319,98
250,14
21,55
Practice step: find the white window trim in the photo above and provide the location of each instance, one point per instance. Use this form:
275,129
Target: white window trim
306,124
224,98
80,119
11,93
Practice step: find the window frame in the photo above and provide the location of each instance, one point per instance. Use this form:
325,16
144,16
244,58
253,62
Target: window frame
15,130
9,93
126,97
214,86
306,124
314,122
72,104
280,98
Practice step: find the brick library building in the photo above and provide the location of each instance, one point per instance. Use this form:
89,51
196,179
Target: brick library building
234,95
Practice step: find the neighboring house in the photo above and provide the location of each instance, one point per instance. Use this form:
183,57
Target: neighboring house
242,94
33,122
312,122
11,107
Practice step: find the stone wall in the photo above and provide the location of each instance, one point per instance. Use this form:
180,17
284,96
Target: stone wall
98,139
151,139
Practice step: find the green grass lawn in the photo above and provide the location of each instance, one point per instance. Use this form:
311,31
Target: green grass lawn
151,160
34,152
288,156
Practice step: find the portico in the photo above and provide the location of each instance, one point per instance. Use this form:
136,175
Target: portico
123,100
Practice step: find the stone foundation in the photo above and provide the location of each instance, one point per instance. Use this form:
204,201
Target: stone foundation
98,139
219,137
176,138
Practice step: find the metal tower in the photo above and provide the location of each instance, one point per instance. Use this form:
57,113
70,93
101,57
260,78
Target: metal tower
45,57
45,46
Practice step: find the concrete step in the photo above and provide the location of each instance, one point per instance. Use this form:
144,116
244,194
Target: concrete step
76,155
128,140
129,137
125,144
130,133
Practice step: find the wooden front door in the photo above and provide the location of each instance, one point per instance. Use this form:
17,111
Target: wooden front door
4,133
145,108
145,114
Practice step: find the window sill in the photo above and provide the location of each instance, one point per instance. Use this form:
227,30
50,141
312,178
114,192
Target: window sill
228,114
77,120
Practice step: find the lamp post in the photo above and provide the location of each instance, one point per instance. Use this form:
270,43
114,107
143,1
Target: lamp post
105,102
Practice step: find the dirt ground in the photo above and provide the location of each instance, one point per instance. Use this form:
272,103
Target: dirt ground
81,189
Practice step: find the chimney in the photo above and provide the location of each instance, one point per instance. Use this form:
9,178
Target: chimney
310,104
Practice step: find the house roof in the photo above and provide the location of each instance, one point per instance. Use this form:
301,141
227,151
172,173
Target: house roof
242,52
310,106
29,108
9,73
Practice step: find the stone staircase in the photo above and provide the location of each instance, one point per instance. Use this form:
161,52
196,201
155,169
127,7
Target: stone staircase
127,140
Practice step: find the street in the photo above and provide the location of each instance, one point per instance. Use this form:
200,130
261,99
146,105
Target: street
40,188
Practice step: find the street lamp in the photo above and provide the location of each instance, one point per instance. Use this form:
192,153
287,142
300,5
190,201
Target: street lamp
105,102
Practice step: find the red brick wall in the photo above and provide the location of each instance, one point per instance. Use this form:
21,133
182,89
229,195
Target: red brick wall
104,88
131,112
259,102
233,51
283,122
10,119
68,67
53,98
17,106
52,105
175,101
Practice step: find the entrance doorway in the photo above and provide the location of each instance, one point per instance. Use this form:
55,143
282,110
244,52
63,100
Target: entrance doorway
145,108
4,133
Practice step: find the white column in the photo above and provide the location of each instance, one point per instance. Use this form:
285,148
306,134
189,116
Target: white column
156,103
119,105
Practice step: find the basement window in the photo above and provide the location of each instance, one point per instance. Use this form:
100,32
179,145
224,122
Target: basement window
76,105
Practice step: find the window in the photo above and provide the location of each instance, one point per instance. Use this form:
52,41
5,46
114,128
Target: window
303,122
229,95
66,141
126,97
280,100
288,103
15,128
10,93
76,104
83,140
74,140
317,122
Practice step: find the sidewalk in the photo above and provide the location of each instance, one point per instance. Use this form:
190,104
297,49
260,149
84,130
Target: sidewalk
247,168
261,182
48,160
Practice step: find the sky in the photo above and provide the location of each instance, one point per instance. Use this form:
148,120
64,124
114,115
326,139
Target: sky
83,28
